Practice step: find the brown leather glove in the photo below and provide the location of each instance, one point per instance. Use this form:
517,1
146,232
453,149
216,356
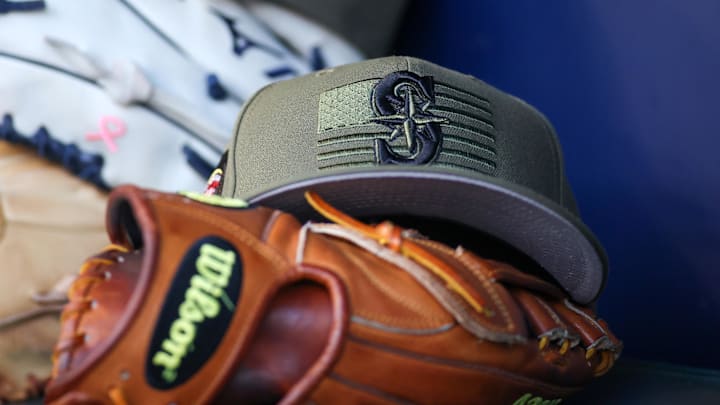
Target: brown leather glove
49,221
200,303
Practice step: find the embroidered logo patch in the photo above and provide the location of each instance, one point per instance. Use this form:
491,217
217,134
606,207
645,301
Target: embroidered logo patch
400,102
242,42
196,313
405,119
529,399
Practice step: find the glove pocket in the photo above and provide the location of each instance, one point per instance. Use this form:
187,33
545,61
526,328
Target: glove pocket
296,338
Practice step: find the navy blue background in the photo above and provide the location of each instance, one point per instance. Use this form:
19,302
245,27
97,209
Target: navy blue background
632,89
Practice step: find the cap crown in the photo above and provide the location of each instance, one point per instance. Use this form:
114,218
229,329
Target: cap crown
395,111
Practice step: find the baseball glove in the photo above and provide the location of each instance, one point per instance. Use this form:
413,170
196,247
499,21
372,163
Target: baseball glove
212,302
104,87
49,221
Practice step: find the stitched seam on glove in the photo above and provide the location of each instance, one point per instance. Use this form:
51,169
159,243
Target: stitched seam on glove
490,287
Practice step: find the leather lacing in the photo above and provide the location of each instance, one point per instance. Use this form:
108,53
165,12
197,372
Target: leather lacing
92,272
46,303
393,237
87,166
565,339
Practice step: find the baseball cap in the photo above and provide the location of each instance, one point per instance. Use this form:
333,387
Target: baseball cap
403,136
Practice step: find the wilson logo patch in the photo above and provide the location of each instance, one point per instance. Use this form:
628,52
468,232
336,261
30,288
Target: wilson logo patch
196,313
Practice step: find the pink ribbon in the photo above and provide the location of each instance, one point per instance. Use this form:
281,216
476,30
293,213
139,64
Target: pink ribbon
110,127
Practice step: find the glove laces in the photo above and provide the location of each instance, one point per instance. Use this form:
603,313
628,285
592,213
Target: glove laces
51,302
127,84
603,350
391,236
91,273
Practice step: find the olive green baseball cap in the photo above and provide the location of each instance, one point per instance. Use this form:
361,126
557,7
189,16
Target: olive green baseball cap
402,136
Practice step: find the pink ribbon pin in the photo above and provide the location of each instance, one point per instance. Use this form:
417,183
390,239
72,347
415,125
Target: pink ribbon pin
110,127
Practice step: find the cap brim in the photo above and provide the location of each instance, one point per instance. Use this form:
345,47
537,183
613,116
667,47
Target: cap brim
535,225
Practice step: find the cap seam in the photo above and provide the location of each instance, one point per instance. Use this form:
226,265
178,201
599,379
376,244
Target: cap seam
232,174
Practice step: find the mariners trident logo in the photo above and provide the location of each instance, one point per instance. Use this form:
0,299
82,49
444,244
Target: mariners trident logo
400,102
